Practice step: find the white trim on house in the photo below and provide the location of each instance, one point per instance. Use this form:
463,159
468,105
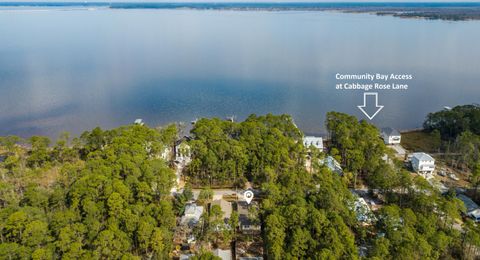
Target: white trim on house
424,164
317,142
391,136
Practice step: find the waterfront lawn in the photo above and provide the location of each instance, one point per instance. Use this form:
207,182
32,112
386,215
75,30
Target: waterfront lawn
419,141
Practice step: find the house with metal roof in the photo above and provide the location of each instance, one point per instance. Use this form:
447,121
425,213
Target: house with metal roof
192,214
333,165
391,135
362,211
472,209
423,164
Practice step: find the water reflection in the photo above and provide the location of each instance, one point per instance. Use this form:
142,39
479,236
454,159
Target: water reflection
73,70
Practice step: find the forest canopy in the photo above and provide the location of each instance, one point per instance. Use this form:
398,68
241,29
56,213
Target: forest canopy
453,122
104,196
107,194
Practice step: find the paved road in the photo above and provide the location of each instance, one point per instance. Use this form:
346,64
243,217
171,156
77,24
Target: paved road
219,193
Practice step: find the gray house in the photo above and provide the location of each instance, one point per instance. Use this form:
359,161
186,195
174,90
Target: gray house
391,136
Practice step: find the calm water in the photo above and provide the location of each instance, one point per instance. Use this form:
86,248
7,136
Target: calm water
68,69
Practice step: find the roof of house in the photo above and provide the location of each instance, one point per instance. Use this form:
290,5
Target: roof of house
312,138
333,165
243,215
225,206
475,214
422,157
362,210
192,214
183,140
223,254
242,207
469,203
390,131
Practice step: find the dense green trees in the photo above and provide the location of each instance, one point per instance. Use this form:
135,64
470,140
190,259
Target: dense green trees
459,129
416,222
112,203
358,144
229,153
106,194
306,215
451,123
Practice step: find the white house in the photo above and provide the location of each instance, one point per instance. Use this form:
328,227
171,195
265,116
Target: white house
472,209
423,164
138,121
192,214
166,153
317,142
182,152
391,136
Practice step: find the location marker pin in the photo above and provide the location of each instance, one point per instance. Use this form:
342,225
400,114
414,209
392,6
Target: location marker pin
248,196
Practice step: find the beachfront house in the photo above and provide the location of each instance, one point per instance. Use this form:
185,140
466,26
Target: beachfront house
472,209
182,152
314,141
391,136
192,214
423,164
139,121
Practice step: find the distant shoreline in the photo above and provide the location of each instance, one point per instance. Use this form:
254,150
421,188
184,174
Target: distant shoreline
431,11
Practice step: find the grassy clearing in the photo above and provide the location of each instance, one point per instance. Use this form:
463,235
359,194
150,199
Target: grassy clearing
418,141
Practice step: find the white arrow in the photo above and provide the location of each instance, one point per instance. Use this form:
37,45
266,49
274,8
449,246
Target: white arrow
377,107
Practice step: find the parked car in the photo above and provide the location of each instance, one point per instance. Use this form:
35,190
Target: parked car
442,173
453,177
